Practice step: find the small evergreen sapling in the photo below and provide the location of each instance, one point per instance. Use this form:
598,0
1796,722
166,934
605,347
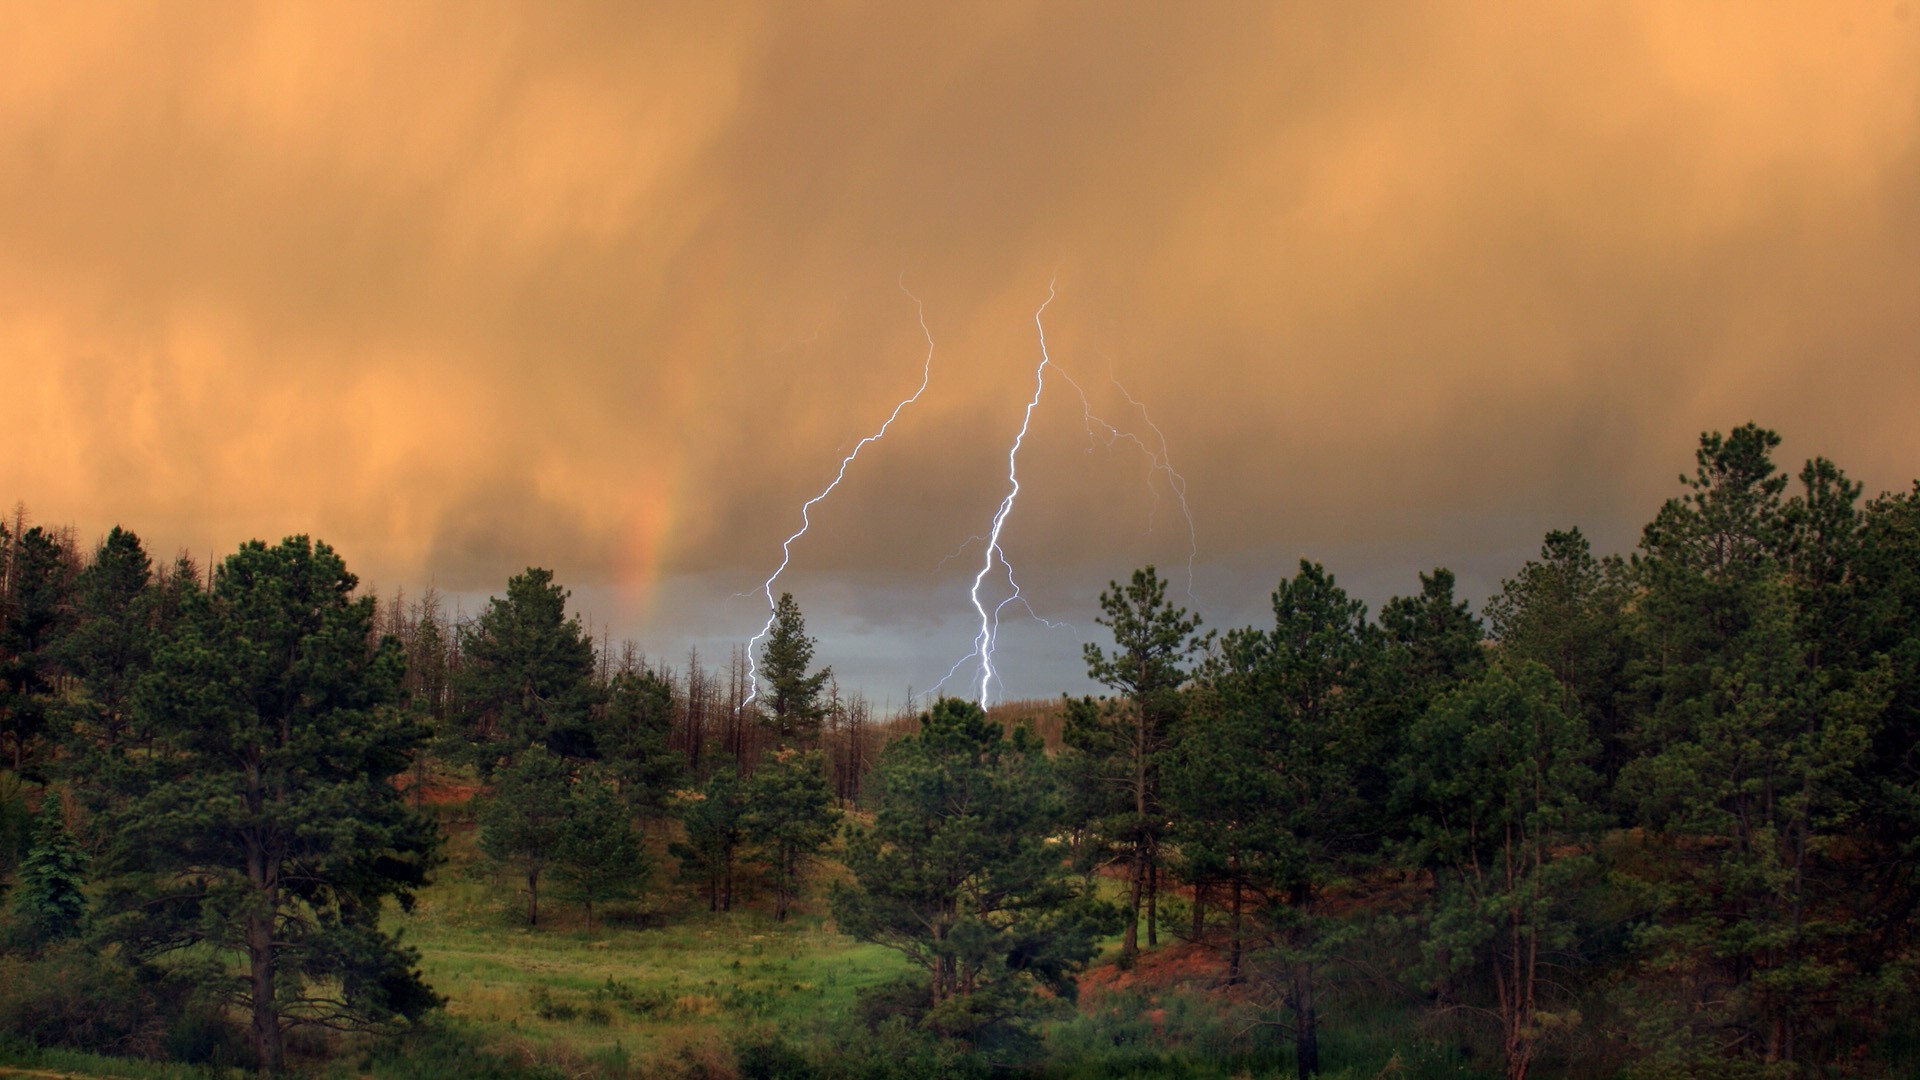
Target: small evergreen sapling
50,900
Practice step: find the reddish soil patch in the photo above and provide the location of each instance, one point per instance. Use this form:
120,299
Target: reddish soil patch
1182,964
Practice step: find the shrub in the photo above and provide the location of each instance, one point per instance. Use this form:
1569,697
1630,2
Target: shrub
72,997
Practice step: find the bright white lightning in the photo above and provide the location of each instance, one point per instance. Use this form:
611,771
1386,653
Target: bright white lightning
806,522
990,621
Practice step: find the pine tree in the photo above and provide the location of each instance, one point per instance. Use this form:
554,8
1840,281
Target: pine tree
36,612
1292,702
789,818
633,732
49,899
264,818
1153,644
1497,794
109,647
715,835
957,872
1427,645
599,856
523,822
1887,579
1566,611
526,675
795,709
1755,731
1220,791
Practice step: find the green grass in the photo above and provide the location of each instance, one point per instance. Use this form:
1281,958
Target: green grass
19,1059
641,986
665,989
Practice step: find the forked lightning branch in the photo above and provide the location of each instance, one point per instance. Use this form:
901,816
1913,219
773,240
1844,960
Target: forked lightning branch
986,639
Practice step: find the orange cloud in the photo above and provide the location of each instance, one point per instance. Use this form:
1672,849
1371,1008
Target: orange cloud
610,288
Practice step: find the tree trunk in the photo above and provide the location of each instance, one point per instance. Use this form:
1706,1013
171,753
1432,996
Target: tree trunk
1443,983
1233,936
533,898
263,875
1153,896
1519,1062
1130,943
1199,911
265,1031
1130,947
1306,1022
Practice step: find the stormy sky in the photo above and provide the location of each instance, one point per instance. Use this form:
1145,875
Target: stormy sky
612,289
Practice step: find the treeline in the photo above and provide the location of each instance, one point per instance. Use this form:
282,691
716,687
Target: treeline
585,696
230,768
1654,813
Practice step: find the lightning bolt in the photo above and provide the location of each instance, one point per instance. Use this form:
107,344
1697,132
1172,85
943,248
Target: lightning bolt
987,638
806,521
1175,482
1160,461
983,642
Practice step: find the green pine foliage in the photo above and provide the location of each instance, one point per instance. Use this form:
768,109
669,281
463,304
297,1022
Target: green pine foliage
524,821
1752,735
1289,704
1154,646
714,822
1498,796
544,818
526,675
795,704
50,900
36,612
789,818
957,873
1568,611
600,856
107,651
262,821
633,735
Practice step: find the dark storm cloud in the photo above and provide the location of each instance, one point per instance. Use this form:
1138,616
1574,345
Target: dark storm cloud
466,289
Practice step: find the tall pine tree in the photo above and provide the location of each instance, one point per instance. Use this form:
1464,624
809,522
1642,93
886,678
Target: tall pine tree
1154,646
795,705
526,675
264,823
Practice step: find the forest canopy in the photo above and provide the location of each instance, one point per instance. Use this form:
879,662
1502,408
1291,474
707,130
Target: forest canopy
1648,813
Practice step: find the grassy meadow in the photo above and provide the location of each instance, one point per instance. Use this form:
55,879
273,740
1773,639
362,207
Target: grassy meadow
664,988
660,987
655,980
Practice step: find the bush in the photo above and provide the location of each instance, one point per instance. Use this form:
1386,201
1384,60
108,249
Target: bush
202,1035
72,997
895,1050
437,1047
905,998
770,1057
